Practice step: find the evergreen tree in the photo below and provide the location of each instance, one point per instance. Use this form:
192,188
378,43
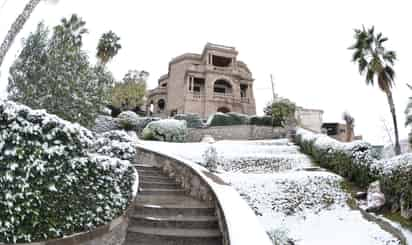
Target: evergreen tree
59,75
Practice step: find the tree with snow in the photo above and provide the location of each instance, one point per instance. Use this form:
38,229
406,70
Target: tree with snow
108,47
17,26
376,62
55,74
129,94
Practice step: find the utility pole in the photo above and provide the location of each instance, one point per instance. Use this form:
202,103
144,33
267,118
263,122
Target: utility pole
273,87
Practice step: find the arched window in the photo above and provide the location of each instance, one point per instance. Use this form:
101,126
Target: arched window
161,104
222,86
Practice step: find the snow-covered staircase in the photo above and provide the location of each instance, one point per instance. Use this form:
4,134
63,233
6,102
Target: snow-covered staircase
165,215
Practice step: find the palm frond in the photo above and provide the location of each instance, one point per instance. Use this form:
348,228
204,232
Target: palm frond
389,56
389,73
362,64
369,77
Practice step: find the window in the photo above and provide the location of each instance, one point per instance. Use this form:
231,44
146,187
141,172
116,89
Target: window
221,61
222,86
243,90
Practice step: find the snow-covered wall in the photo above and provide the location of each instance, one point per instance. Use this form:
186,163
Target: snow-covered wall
236,132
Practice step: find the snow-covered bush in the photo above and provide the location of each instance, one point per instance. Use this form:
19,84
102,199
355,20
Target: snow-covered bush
51,185
169,130
128,120
280,237
193,120
105,123
116,144
356,161
210,158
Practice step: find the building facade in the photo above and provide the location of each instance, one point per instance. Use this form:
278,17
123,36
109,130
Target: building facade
213,81
309,118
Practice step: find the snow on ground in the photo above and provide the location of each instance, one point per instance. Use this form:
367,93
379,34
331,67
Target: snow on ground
308,206
245,156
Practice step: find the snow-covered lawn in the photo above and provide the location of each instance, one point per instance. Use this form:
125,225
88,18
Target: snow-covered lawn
308,206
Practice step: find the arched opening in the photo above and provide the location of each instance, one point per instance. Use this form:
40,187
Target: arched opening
223,109
161,104
222,87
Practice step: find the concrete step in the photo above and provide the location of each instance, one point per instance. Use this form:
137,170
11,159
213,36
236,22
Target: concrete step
166,236
151,173
161,191
158,185
163,205
174,221
157,179
145,167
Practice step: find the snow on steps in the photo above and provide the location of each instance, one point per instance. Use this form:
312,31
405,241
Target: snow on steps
242,225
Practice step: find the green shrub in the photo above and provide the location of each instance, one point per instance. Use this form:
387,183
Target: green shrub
192,120
52,184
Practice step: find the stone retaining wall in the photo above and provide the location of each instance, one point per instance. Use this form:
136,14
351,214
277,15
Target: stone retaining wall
236,132
188,178
113,233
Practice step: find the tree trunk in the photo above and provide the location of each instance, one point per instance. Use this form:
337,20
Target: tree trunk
16,28
395,124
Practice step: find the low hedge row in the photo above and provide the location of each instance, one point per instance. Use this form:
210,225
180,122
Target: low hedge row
356,161
233,118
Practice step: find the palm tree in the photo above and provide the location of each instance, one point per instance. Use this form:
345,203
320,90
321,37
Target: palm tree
108,47
17,26
349,121
377,63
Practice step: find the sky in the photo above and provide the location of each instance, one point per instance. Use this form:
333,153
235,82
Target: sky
304,44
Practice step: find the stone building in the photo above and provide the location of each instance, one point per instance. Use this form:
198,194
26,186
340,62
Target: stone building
213,81
309,118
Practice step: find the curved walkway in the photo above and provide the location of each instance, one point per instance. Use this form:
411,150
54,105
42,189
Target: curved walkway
165,215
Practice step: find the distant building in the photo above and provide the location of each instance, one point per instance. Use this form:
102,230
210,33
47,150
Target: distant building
339,132
309,118
213,81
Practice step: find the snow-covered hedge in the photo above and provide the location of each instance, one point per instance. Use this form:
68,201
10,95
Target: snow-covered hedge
357,162
227,119
261,120
193,120
169,130
51,182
